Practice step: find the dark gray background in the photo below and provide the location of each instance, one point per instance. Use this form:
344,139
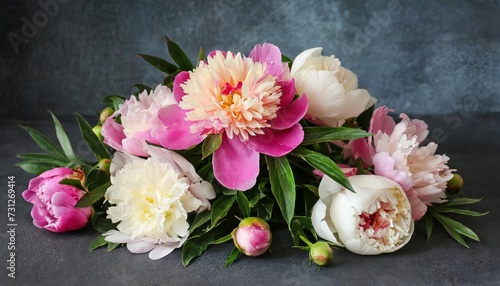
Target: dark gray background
420,57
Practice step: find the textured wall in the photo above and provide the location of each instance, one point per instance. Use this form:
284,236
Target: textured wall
437,57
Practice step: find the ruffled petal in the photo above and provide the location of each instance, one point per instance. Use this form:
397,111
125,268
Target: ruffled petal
320,224
72,220
113,133
277,143
301,59
268,55
180,79
235,165
177,135
287,116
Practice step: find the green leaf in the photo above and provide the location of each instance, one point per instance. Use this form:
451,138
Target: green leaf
34,167
199,220
265,208
210,144
112,246
159,63
91,139
63,139
321,134
429,223
93,196
45,143
459,227
72,182
220,208
235,253
451,231
313,189
282,185
462,201
462,212
243,203
101,223
324,164
113,100
223,239
178,55
195,246
201,55
98,242
42,158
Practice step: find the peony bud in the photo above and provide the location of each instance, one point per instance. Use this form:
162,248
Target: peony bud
104,165
321,253
97,132
105,113
252,236
455,184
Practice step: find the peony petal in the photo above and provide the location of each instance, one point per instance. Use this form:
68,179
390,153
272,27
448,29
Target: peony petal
177,136
287,116
116,237
161,250
138,246
287,91
384,165
72,220
269,55
113,133
235,165
277,143
300,60
321,226
135,146
381,121
180,79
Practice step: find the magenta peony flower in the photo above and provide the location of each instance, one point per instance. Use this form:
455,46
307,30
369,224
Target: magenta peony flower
139,122
54,204
252,236
248,100
396,153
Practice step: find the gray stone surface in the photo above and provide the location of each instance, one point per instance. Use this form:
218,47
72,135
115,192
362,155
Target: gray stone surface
44,258
424,57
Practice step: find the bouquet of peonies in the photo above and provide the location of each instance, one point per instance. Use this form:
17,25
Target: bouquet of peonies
224,149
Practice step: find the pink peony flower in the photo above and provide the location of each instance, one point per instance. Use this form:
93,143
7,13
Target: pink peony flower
248,100
54,204
139,122
252,236
395,152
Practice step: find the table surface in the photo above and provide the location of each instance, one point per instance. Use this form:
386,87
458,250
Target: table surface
472,143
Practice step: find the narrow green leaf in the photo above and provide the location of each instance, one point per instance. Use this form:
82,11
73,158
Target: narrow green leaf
201,55
429,223
199,220
34,167
454,233
210,144
112,246
159,63
93,196
98,242
459,227
178,55
220,208
324,164
223,239
462,201
243,203
235,253
91,139
321,134
63,139
72,182
462,212
265,208
42,158
313,189
282,185
195,246
113,100
45,143
101,223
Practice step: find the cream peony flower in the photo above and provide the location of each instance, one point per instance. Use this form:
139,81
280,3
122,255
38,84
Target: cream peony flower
151,199
376,219
332,90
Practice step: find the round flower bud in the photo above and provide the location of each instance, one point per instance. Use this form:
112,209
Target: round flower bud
455,184
252,236
104,165
105,113
97,132
321,253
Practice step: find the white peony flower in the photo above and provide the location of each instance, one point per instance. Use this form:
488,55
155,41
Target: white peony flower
151,199
332,90
376,219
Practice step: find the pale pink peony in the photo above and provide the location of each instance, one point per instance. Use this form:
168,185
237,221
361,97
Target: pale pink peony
54,204
139,122
249,101
395,151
